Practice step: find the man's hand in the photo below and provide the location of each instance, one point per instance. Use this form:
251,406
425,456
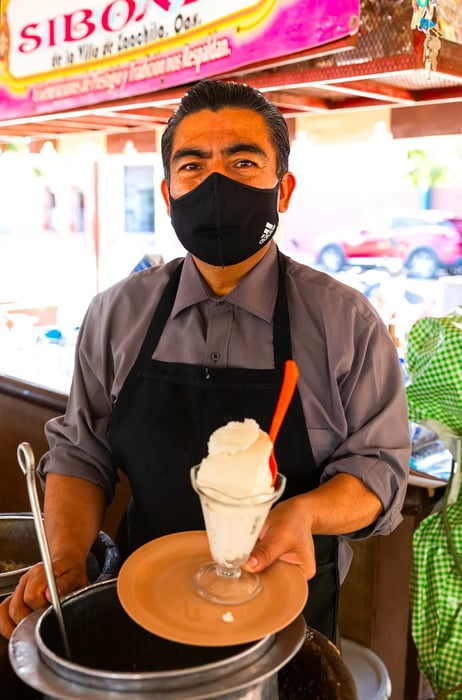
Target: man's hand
286,535
73,515
339,506
32,591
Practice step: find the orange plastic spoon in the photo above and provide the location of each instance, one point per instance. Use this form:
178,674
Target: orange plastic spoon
289,382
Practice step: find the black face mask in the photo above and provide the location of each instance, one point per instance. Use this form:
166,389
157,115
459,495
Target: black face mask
223,222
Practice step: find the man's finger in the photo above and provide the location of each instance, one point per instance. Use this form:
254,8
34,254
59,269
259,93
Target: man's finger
6,624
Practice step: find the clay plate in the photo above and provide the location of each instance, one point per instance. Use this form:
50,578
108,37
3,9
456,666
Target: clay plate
155,588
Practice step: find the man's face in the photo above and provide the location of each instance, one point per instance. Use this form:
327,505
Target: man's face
233,142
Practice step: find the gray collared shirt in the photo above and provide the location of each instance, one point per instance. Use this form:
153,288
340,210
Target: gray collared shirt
350,379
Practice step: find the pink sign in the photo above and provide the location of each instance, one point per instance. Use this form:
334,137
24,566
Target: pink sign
56,56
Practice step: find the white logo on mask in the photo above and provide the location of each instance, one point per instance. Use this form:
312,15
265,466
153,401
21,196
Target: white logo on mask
267,233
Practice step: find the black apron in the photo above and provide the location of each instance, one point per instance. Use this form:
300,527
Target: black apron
160,426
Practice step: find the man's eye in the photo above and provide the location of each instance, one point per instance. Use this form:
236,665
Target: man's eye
189,166
244,163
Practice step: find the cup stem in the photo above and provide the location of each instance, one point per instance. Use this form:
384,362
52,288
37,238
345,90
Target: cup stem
228,586
226,572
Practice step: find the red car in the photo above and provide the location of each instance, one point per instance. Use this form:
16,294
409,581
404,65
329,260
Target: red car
423,243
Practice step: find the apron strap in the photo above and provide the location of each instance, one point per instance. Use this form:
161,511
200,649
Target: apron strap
153,334
281,322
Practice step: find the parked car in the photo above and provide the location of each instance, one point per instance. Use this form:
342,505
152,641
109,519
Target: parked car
424,244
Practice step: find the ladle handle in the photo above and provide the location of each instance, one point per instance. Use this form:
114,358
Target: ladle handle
26,461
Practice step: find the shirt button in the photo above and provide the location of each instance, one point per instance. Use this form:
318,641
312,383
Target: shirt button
215,356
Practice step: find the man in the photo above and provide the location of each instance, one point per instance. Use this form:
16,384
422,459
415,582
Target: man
171,353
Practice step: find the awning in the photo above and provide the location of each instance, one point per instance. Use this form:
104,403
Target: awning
381,65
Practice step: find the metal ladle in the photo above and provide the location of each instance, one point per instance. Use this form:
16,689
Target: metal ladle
26,461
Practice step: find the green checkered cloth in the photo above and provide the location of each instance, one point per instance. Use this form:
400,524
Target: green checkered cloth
436,599
434,357
434,365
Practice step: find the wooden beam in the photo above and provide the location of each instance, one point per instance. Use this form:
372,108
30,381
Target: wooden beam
147,113
372,89
298,101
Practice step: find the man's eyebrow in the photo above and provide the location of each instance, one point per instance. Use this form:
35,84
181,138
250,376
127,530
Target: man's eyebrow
190,151
244,147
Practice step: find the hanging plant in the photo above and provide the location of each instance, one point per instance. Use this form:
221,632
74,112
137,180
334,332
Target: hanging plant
425,174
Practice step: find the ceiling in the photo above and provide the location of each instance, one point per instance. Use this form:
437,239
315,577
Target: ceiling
380,66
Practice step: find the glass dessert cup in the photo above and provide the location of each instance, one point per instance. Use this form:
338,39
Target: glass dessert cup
233,526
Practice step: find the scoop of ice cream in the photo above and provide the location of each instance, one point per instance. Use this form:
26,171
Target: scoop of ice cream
238,460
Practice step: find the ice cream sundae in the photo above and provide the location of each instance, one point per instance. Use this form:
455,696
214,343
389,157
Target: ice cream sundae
234,483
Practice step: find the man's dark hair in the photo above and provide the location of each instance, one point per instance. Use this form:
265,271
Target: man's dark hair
218,94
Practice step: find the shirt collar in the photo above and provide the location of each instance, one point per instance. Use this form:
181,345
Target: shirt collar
256,292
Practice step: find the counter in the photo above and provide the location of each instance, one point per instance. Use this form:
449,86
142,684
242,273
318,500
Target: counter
24,410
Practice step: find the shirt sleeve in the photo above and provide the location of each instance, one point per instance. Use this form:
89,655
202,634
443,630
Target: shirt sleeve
376,449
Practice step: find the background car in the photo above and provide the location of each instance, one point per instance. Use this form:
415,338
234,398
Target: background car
423,244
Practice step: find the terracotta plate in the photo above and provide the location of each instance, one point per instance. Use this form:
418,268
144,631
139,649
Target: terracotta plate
156,590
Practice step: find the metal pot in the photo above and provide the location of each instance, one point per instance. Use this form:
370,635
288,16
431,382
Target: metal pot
111,653
18,546
18,543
